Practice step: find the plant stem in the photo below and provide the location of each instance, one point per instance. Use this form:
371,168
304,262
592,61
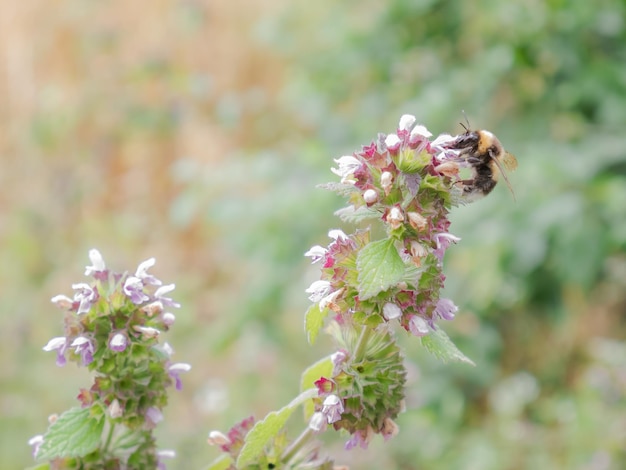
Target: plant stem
296,445
107,443
359,351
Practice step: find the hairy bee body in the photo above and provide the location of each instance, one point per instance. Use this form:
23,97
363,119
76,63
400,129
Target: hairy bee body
486,156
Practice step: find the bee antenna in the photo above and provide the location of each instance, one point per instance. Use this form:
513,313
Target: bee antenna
467,128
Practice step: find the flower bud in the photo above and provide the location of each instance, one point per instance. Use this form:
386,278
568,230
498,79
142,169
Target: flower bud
115,410
417,221
386,181
218,438
168,319
118,342
370,196
317,423
391,311
395,217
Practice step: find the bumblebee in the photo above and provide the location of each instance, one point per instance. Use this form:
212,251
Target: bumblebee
486,156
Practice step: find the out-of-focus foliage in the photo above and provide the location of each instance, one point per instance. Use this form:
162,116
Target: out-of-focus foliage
196,131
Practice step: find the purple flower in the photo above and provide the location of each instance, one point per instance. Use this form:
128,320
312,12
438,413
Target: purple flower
175,369
166,301
118,342
332,408
84,347
418,326
361,437
446,309
85,295
97,268
338,358
164,454
142,273
153,416
35,442
58,344
133,288
168,319
390,429
443,241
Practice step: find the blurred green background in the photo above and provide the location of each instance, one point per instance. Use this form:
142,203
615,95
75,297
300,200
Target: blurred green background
196,131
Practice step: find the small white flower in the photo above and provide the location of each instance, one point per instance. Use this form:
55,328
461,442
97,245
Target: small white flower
115,410
147,331
97,263
318,290
318,422
392,141
55,343
386,180
218,438
391,311
395,217
337,234
316,253
421,131
418,326
406,122
62,301
330,298
348,164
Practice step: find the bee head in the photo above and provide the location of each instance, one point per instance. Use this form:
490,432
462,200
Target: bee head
488,144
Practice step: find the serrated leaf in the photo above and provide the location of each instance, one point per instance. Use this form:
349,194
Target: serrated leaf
380,267
267,429
354,215
314,321
223,462
441,346
343,189
74,433
322,368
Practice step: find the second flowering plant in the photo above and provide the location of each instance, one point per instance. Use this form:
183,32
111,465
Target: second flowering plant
113,324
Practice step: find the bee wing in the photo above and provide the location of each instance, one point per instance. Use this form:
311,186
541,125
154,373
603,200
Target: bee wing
510,163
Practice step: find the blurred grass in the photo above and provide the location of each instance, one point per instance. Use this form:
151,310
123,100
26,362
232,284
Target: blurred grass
196,132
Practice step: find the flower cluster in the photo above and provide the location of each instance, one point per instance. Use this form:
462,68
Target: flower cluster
112,326
406,181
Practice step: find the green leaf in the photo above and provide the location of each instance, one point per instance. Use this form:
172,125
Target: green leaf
223,462
354,215
380,267
75,433
313,321
267,429
41,466
440,345
322,368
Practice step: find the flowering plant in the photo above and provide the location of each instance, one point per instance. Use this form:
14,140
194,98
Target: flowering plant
112,326
409,184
